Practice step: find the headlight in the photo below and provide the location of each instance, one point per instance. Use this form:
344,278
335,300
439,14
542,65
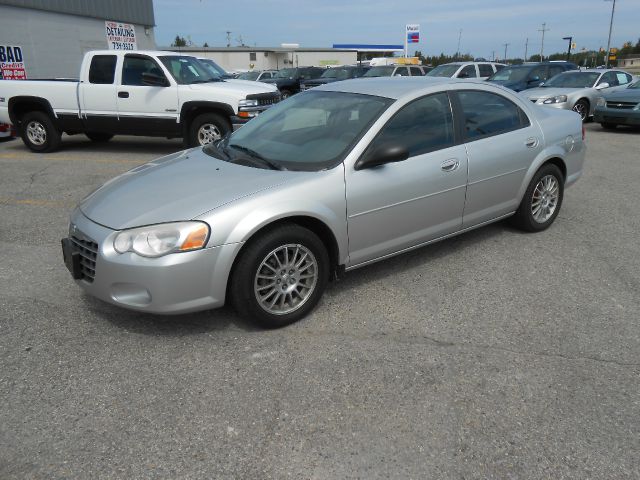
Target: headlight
159,240
558,99
601,102
248,103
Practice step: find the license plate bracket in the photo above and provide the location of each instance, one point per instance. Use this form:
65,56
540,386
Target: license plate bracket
71,259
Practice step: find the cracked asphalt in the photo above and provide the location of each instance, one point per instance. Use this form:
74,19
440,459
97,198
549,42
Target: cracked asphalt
495,354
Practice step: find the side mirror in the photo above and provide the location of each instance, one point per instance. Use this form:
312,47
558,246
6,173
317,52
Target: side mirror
541,84
388,153
602,85
153,80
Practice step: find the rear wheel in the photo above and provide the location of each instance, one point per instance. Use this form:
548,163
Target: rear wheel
207,128
582,108
280,276
99,137
542,200
39,133
609,126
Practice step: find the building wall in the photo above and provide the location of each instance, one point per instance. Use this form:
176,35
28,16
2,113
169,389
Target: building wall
53,44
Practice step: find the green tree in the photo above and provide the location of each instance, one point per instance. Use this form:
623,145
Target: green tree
206,45
179,42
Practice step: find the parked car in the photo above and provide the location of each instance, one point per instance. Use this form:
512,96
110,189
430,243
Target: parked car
158,94
578,90
288,79
257,75
529,75
621,107
335,178
333,75
395,71
481,70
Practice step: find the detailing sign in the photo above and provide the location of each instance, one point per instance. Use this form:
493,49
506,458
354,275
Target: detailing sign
120,36
12,63
413,33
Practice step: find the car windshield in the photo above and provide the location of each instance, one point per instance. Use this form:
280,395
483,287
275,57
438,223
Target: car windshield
510,74
337,73
286,73
311,131
573,80
444,71
380,72
189,70
249,76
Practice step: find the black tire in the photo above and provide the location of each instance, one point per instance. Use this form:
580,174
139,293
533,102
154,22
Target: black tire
207,125
99,137
581,107
524,217
609,126
284,94
39,133
245,285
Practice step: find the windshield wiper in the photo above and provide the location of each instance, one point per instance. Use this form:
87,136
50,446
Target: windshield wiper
205,81
257,156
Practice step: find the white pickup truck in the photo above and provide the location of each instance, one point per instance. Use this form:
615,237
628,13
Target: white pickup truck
149,93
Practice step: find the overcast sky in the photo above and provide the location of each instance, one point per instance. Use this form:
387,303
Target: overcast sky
486,25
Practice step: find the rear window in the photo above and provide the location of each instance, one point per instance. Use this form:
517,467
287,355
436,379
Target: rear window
485,69
102,69
487,114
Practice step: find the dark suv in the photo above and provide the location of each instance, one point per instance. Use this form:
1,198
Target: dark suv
288,79
334,74
530,75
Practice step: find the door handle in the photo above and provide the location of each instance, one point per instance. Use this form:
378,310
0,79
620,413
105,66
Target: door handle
450,165
531,142
123,94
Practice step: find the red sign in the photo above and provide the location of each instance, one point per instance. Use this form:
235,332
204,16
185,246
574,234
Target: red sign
13,71
12,63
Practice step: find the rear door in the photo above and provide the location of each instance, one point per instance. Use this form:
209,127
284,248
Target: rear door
98,95
144,109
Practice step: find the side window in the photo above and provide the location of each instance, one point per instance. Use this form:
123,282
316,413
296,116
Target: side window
485,69
416,72
540,72
622,78
468,72
422,126
402,71
487,114
102,69
134,66
610,78
555,70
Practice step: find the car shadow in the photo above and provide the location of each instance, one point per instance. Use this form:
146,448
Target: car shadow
122,145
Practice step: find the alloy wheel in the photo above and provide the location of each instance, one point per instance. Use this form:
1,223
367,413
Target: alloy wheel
36,133
545,198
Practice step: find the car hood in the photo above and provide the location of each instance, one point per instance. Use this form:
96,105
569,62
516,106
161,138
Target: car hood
319,81
240,88
626,95
542,92
250,84
177,187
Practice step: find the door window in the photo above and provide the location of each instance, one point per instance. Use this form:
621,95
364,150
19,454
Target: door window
102,69
422,126
610,78
416,72
134,66
485,69
540,73
468,72
623,78
487,114
555,70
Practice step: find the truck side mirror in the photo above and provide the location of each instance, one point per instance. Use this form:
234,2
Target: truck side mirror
153,80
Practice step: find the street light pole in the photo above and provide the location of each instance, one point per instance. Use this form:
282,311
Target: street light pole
526,49
569,49
505,51
613,9
458,49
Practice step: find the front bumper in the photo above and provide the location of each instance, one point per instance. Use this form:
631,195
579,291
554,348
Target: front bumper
617,116
176,283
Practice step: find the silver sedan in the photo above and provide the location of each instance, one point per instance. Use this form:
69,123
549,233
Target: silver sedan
578,90
335,178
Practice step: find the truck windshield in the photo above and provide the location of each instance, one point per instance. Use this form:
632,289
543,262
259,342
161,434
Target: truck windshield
309,132
447,70
380,72
337,73
187,70
287,73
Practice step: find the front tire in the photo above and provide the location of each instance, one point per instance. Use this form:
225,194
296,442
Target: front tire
280,276
207,128
39,133
582,108
99,137
542,200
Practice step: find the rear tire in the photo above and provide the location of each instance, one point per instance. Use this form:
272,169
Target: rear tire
542,200
280,276
581,107
207,128
39,133
609,126
99,137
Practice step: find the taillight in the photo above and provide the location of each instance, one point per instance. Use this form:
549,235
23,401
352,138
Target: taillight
584,133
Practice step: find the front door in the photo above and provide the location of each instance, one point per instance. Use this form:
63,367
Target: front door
400,205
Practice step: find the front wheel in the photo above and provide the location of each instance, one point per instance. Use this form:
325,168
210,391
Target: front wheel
39,133
582,108
207,128
542,200
280,276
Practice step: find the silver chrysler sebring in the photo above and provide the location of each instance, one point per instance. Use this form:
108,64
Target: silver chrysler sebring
328,181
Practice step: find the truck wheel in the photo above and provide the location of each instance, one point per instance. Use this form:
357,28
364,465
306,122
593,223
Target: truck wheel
284,94
99,137
207,128
39,133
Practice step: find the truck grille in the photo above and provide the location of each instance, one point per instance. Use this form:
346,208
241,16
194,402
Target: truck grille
623,105
265,99
88,250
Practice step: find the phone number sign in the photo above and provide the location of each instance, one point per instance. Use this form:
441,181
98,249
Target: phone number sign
120,36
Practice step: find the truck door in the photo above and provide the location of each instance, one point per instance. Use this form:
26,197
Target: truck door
144,109
99,109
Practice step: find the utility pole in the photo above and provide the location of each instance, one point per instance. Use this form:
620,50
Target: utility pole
569,49
526,49
544,29
458,49
613,9
228,38
505,51
493,54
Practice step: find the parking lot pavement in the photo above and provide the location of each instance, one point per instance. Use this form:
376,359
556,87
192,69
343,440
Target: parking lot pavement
495,354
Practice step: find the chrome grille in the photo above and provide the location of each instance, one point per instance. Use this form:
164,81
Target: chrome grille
265,99
88,250
623,105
